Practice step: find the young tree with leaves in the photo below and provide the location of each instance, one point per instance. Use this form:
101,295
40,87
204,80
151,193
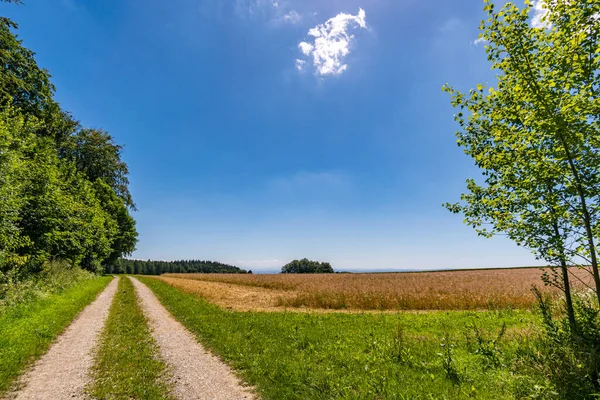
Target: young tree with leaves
535,134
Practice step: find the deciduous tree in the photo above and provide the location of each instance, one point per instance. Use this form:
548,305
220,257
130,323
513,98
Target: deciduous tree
535,134
306,266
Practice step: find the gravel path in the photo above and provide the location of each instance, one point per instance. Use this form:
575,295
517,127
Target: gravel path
62,373
196,373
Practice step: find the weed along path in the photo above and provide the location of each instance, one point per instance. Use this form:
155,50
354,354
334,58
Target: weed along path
63,372
197,374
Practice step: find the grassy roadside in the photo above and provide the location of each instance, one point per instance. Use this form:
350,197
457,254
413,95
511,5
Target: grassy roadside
28,329
127,364
437,355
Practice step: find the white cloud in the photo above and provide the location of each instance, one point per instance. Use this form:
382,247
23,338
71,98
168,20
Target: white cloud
539,12
275,13
306,48
300,64
254,8
479,41
292,17
331,43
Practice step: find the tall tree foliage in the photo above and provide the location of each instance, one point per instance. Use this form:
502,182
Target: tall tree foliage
63,188
15,138
535,134
95,153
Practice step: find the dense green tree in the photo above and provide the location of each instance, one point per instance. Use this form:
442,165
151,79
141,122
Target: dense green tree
95,153
62,217
63,189
16,137
306,266
124,238
119,268
49,210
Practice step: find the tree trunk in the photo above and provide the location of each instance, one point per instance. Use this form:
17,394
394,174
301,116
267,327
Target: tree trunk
586,215
588,226
568,298
565,277
593,257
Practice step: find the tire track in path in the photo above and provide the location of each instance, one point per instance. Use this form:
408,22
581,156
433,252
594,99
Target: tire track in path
63,372
197,374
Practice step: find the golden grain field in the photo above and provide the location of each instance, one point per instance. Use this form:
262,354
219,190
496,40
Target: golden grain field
448,290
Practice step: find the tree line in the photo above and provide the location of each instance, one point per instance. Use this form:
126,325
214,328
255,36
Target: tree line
63,186
149,267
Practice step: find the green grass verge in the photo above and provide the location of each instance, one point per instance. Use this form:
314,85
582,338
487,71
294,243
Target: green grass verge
127,363
433,355
28,329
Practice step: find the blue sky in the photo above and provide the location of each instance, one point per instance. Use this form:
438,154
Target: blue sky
260,131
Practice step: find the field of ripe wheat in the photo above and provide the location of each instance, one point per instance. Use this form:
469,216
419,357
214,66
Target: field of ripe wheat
447,290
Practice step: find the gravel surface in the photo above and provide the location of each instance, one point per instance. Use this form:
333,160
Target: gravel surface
197,374
62,373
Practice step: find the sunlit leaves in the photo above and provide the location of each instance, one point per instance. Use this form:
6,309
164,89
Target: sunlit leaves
535,134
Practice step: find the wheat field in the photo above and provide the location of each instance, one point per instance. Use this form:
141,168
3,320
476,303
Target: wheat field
447,290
